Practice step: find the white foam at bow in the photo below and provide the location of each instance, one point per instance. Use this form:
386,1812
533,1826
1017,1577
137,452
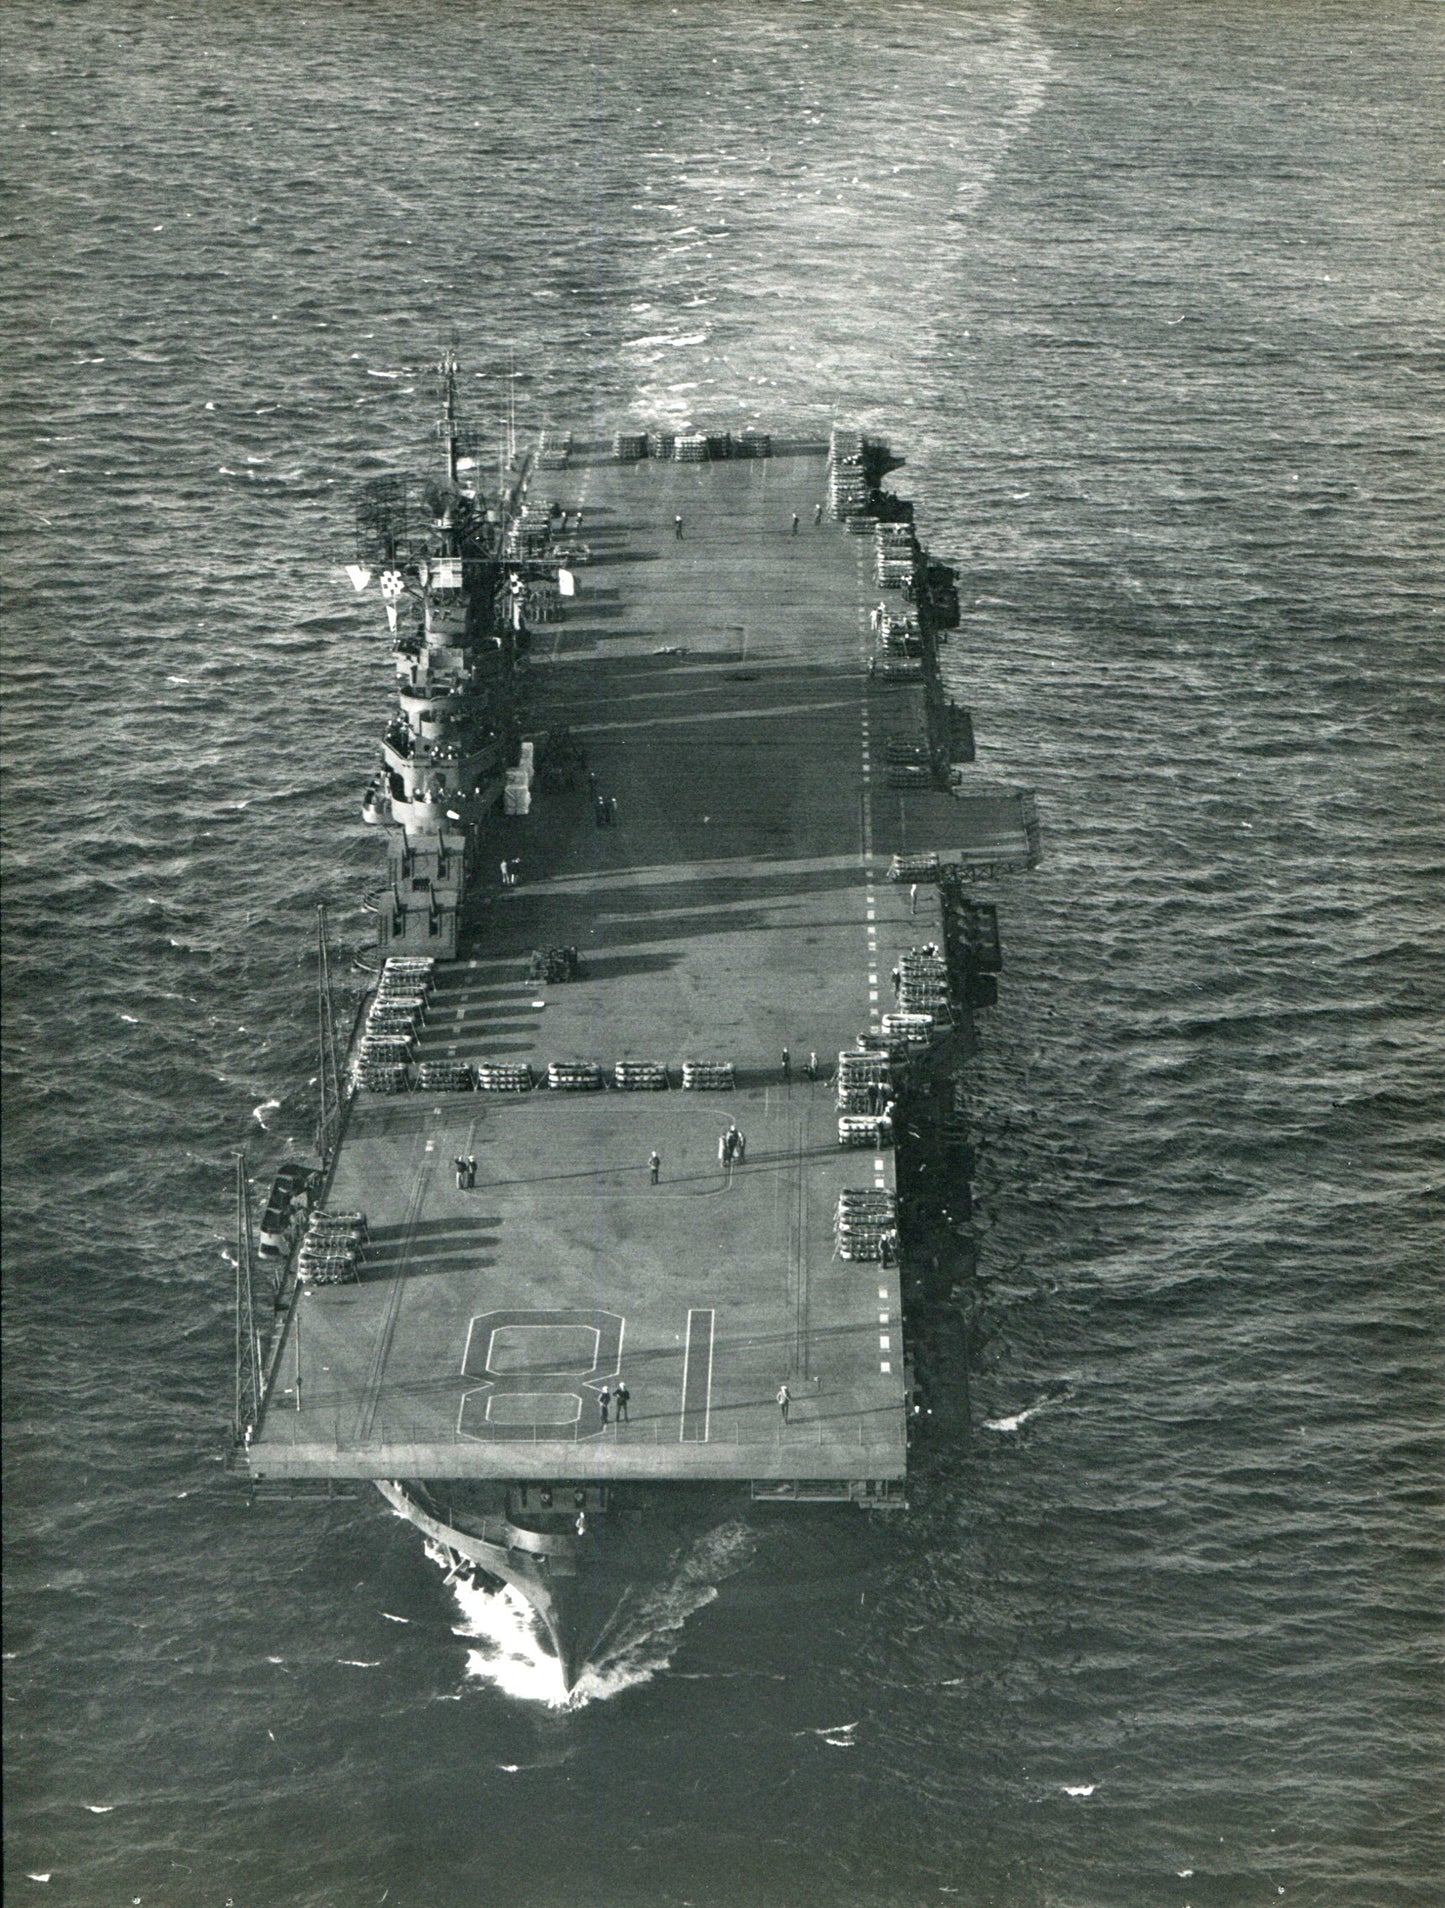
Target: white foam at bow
637,1644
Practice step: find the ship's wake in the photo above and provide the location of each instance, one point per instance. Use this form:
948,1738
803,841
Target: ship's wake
638,1640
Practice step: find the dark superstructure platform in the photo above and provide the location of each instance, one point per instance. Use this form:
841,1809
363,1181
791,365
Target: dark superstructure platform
734,906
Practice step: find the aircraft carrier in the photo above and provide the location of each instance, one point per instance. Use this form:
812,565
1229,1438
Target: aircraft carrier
679,941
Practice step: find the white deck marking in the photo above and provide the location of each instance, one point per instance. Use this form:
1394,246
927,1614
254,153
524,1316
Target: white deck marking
690,1378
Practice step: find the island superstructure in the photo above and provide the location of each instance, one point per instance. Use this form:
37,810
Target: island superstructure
677,949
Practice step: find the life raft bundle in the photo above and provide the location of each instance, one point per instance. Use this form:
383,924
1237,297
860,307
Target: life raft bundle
383,1076
865,1223
865,1129
708,1076
407,974
574,1076
506,1077
923,983
640,1076
860,1068
333,1248
909,1030
445,1076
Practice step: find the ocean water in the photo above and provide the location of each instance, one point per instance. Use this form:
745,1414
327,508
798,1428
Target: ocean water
1149,296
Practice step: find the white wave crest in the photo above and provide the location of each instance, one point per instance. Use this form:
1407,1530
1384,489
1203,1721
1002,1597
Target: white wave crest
1019,1419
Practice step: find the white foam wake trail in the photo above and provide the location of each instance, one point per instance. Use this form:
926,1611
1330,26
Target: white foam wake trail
645,1630
638,1642
1014,1423
1058,1393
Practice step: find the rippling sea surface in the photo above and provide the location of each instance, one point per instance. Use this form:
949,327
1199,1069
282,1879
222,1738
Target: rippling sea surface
1149,296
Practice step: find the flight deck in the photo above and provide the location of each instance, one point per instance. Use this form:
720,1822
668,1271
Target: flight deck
720,870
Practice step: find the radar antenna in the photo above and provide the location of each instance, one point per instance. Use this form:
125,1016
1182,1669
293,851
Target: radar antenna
385,524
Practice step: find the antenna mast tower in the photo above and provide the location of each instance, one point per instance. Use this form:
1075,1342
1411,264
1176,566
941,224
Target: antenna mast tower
328,1062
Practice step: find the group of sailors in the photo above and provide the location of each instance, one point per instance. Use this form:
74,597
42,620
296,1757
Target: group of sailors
732,1147
554,964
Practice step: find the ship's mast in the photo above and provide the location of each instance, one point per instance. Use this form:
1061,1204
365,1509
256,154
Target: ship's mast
447,423
248,1345
512,411
328,1069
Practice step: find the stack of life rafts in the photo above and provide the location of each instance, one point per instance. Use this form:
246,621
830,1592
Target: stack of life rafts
445,1076
865,1098
907,1029
393,1020
847,479
332,1249
895,557
574,1076
503,1076
899,651
923,983
640,1076
910,765
708,1076
865,1224
690,447
898,637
